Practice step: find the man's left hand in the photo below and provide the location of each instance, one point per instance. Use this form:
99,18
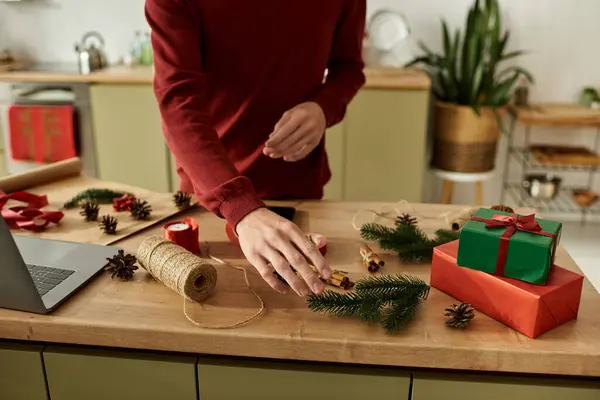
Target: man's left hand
297,133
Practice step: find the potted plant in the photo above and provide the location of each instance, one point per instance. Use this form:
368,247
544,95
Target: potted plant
471,90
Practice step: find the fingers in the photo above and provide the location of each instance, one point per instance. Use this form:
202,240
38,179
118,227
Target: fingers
312,253
283,269
298,260
266,272
301,153
292,143
288,124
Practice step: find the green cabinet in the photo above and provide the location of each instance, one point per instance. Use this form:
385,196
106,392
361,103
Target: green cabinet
94,374
477,387
244,379
22,372
130,146
385,152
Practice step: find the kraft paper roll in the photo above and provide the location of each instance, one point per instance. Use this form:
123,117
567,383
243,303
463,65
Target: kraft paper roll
178,269
42,175
457,223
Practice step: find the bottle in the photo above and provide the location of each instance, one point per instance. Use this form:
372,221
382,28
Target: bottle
146,56
135,49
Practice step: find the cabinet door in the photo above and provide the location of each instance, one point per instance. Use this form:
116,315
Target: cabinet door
335,145
386,134
240,379
472,387
90,374
21,372
130,146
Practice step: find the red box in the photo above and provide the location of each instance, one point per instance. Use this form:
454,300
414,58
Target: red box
43,134
528,308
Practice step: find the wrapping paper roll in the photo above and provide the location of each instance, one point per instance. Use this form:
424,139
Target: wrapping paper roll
178,269
41,176
184,233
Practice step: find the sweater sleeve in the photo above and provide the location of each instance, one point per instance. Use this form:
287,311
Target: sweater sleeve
345,74
180,89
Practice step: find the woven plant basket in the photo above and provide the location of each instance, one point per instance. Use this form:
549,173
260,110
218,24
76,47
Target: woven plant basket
464,141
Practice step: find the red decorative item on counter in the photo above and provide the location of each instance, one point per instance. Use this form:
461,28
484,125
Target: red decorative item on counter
184,233
28,217
124,203
528,308
42,134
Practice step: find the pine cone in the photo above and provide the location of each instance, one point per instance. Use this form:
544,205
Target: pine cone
504,208
141,209
406,219
89,210
121,266
182,200
459,316
109,224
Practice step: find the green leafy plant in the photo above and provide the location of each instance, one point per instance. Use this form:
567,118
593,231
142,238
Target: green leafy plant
468,71
390,300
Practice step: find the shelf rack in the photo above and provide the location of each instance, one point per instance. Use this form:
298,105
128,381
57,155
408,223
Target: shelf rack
553,115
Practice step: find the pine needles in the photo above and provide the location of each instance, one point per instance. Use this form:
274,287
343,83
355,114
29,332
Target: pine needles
391,300
99,196
406,239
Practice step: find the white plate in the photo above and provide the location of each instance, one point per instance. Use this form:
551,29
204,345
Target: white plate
387,29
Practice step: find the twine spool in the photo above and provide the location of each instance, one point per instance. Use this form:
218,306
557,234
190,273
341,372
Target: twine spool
178,269
187,274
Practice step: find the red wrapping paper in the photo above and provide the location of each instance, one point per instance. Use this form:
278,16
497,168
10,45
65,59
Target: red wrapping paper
42,134
528,308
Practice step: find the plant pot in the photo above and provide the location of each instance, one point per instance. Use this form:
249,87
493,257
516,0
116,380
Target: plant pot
464,141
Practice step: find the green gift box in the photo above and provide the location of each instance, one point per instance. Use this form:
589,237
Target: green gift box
514,246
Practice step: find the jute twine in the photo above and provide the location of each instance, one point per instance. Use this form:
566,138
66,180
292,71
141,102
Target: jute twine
187,274
391,212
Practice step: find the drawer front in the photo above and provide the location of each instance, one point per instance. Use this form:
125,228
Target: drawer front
465,387
235,379
76,374
21,372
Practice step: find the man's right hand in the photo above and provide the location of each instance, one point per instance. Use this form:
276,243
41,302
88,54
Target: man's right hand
272,243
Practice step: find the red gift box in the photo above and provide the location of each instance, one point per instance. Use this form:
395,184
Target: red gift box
527,308
42,134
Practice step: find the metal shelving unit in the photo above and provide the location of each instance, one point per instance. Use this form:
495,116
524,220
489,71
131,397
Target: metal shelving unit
564,201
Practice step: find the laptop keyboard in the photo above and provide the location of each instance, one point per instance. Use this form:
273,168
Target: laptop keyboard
47,278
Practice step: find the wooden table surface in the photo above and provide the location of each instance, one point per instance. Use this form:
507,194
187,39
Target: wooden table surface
376,78
143,314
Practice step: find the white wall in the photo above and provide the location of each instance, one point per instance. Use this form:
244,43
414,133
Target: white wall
561,35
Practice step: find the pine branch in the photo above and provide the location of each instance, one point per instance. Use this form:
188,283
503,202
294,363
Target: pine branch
387,287
446,236
335,303
399,314
100,196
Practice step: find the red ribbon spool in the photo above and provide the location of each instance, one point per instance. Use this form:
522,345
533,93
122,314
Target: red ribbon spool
319,240
184,233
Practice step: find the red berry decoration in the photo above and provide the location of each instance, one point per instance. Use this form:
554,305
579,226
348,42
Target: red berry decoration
124,203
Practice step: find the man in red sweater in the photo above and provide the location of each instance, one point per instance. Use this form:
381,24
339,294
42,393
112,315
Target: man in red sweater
244,103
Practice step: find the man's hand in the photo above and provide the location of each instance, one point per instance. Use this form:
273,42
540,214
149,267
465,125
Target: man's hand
272,243
297,133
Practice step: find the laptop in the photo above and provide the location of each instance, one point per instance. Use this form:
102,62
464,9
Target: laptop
37,275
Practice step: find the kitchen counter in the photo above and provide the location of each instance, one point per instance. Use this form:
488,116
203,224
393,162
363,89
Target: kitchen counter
143,314
377,78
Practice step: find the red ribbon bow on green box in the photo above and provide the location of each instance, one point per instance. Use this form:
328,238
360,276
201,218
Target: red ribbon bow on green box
28,217
514,223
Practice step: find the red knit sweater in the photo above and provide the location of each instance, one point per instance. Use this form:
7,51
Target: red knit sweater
226,71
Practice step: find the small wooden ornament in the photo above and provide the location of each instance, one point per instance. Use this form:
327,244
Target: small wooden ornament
370,259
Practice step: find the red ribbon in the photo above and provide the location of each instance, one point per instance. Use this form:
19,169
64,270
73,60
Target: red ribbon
512,224
184,233
28,217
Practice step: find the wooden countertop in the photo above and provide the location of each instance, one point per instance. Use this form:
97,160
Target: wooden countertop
143,314
377,78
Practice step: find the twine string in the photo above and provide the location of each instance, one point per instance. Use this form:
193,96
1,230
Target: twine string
192,277
392,214
366,255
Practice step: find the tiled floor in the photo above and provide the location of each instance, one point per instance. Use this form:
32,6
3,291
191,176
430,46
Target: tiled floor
583,244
